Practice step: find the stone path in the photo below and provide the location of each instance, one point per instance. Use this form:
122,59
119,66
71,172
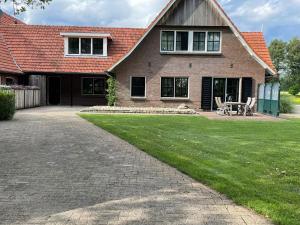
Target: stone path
57,169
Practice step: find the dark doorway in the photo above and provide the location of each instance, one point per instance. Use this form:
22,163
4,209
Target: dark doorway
219,90
54,90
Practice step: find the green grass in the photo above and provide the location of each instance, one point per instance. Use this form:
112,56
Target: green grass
294,99
256,164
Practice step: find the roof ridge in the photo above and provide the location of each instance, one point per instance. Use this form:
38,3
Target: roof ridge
9,51
73,26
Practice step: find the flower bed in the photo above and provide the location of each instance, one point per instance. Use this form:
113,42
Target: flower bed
132,110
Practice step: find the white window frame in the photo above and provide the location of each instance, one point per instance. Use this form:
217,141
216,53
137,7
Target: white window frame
67,54
82,94
138,97
191,42
174,94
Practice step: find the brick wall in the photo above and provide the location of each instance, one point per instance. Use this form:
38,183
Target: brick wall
147,61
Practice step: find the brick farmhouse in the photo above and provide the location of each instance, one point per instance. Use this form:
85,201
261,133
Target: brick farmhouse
191,53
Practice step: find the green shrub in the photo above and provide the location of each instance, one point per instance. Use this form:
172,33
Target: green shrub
286,105
7,105
294,90
111,95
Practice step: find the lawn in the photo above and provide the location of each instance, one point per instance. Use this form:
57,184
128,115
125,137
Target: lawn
256,164
294,99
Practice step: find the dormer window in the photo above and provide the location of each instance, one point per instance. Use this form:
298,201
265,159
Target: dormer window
93,45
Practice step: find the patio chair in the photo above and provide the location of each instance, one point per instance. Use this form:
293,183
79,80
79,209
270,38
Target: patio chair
249,110
243,110
222,109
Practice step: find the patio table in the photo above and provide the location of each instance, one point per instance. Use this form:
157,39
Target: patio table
231,104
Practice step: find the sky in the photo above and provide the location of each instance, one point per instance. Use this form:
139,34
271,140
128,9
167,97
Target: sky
277,18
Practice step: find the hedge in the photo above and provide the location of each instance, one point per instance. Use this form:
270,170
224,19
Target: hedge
7,105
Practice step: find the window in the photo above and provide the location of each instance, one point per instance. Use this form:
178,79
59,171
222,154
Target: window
138,87
199,41
167,87
214,41
86,46
98,46
99,86
167,41
172,87
73,45
191,42
181,87
93,86
182,41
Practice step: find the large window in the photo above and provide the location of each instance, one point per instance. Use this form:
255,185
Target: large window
182,41
85,46
174,87
93,86
191,41
138,87
214,41
167,41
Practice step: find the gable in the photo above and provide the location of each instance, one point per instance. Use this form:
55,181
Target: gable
192,13
167,12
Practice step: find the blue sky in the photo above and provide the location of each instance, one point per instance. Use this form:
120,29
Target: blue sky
277,18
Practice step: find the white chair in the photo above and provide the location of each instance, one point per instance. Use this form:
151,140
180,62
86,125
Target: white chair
221,108
248,101
244,109
249,110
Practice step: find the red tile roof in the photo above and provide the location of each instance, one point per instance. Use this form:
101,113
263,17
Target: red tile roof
7,63
41,48
6,19
257,42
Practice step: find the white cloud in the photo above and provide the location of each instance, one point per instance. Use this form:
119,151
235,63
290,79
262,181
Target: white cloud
129,13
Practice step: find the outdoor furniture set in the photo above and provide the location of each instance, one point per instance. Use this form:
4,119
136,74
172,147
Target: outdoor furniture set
226,108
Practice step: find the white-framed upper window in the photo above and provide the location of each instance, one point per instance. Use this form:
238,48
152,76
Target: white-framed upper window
86,46
138,87
183,41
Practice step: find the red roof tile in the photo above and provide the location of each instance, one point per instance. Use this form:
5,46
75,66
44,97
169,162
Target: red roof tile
257,42
7,63
41,48
6,19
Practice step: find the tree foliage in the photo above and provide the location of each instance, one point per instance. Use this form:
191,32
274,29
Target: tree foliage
286,59
277,50
21,5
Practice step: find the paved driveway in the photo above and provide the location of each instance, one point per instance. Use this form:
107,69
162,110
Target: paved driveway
58,169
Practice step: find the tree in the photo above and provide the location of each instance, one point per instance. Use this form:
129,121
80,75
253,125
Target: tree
293,62
286,59
277,50
21,5
293,56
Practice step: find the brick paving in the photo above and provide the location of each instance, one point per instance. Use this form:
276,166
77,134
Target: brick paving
57,169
